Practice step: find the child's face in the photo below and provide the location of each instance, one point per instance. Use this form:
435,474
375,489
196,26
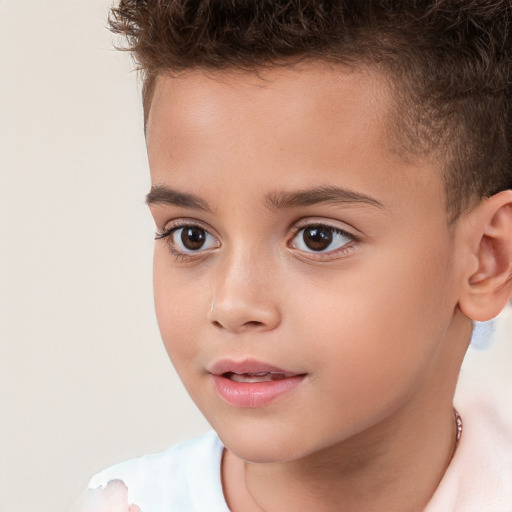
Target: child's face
308,247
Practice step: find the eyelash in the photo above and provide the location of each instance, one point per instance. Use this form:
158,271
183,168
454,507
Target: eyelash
325,256
167,233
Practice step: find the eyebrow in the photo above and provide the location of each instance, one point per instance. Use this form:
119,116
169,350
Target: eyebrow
319,195
160,194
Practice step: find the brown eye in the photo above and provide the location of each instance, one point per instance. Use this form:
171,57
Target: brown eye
321,238
317,238
193,237
188,239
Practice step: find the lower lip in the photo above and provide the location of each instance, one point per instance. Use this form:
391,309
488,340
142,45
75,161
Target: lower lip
253,394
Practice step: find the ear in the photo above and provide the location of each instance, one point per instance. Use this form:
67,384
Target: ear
487,284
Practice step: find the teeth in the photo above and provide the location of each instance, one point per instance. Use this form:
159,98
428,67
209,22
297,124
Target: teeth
251,377
255,377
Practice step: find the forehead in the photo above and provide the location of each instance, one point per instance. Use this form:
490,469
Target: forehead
290,127
311,110
316,92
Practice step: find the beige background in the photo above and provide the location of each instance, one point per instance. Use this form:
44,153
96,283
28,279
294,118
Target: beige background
84,380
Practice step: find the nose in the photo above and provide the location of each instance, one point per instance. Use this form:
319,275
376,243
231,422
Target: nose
244,296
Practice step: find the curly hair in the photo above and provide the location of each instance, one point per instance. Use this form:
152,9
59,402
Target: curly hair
448,63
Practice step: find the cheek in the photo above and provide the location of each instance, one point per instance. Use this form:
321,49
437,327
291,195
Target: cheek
382,323
179,306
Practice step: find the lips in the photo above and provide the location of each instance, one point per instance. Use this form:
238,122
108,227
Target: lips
254,377
252,383
246,366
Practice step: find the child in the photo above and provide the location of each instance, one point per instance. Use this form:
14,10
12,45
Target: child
331,187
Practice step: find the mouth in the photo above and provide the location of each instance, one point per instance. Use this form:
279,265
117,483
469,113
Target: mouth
256,377
249,367
251,383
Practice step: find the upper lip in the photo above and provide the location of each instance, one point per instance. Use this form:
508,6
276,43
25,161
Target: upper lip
246,366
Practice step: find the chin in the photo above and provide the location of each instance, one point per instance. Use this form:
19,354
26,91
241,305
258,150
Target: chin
263,448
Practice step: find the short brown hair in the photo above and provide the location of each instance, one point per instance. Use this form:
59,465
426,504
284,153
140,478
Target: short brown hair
449,63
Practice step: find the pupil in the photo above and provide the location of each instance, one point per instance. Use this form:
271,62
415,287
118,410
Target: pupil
317,238
193,238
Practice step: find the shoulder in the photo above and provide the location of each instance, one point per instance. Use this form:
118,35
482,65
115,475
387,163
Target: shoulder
185,477
480,474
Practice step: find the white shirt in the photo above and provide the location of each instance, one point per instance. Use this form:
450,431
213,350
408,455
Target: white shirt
184,478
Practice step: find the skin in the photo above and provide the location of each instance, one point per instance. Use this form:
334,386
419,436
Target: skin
374,322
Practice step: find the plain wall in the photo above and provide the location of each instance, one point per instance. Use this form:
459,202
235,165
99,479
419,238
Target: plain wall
84,379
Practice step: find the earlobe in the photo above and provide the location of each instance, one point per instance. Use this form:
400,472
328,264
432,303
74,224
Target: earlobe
488,287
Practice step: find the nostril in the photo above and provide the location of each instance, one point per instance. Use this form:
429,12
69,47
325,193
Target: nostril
240,316
253,323
247,325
